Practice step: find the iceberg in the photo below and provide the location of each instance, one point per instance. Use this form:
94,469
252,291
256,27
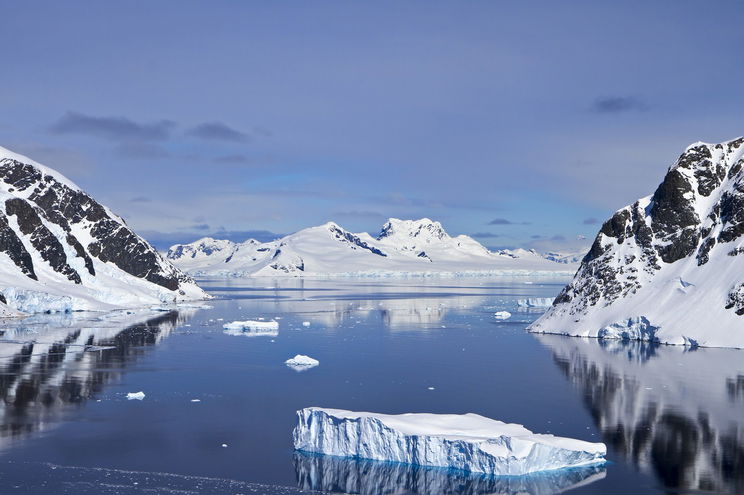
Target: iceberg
535,302
502,315
250,328
136,395
301,362
467,442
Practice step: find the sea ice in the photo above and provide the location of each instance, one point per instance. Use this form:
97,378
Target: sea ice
467,442
305,323
535,302
135,395
502,315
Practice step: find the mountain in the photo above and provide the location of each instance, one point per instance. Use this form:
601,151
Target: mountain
670,267
61,250
403,248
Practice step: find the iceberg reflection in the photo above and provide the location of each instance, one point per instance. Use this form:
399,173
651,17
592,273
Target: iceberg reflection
674,412
358,476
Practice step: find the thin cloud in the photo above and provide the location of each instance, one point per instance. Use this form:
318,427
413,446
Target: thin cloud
200,226
359,214
218,131
140,199
590,221
484,235
504,221
112,128
618,104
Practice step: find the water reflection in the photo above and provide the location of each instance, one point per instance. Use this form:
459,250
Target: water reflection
671,411
354,476
50,364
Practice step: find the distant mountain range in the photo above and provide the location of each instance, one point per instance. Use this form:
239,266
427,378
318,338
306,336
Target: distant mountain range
667,268
402,248
61,250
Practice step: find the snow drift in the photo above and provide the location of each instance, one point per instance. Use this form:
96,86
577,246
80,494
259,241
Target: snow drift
467,442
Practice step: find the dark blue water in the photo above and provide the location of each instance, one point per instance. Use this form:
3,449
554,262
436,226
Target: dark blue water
673,419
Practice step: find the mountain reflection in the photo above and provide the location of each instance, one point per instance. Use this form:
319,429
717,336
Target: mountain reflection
50,364
355,476
674,412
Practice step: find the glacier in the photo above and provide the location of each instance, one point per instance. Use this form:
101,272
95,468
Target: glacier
466,442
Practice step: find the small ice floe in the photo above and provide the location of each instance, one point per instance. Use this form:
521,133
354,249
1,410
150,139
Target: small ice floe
301,362
493,447
535,302
502,315
250,328
429,388
195,400
305,323
136,395
224,445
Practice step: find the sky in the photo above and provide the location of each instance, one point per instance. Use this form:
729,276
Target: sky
524,123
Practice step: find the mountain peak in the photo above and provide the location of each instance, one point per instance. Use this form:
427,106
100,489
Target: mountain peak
423,229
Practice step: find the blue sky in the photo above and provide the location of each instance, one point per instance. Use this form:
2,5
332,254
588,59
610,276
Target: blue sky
525,123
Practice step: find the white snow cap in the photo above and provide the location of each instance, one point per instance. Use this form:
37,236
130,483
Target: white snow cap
468,442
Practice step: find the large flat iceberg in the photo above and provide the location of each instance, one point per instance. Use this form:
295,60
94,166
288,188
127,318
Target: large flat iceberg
468,442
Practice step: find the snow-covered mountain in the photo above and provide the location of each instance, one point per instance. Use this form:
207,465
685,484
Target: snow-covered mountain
403,247
670,267
61,250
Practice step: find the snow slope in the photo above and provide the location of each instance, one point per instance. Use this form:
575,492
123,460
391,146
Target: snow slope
403,248
467,442
60,250
668,268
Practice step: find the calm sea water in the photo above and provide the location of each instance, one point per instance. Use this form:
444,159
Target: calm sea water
219,409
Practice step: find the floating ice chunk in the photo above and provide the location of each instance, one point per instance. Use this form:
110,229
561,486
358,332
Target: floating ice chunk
502,315
301,362
468,442
305,323
535,302
195,400
252,328
135,395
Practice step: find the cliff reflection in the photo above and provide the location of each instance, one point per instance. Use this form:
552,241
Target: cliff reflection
673,412
354,476
50,365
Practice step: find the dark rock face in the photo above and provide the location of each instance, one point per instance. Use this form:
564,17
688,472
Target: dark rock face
12,245
41,237
638,239
43,200
355,241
